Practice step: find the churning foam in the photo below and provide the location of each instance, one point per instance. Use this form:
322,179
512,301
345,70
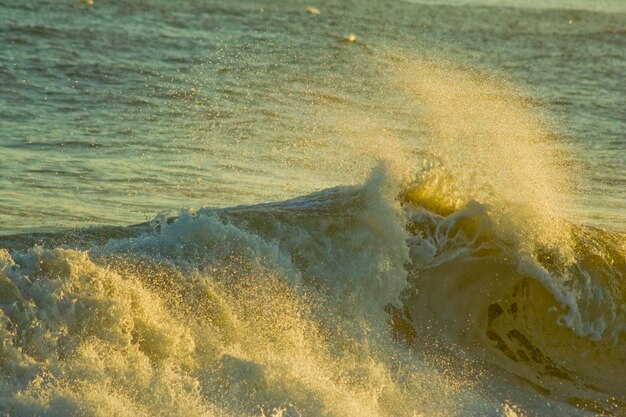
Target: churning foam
273,310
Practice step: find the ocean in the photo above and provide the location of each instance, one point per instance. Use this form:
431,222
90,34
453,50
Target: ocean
330,208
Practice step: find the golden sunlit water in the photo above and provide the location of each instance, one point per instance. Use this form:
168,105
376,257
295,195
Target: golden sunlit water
390,208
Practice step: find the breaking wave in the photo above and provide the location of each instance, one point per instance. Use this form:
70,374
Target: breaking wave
348,301
458,288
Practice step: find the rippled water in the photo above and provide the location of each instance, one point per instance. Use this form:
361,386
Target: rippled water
114,112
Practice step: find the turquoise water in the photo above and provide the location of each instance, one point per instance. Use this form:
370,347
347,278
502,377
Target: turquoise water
377,208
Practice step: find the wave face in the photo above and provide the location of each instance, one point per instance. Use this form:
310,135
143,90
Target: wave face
534,316
345,302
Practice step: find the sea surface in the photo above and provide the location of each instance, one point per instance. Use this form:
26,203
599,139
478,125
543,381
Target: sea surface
330,208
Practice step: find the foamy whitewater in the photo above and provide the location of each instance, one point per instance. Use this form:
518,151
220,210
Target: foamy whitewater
384,209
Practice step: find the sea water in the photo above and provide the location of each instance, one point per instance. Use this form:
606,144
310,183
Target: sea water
381,208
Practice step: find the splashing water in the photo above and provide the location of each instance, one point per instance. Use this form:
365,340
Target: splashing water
446,279
487,144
